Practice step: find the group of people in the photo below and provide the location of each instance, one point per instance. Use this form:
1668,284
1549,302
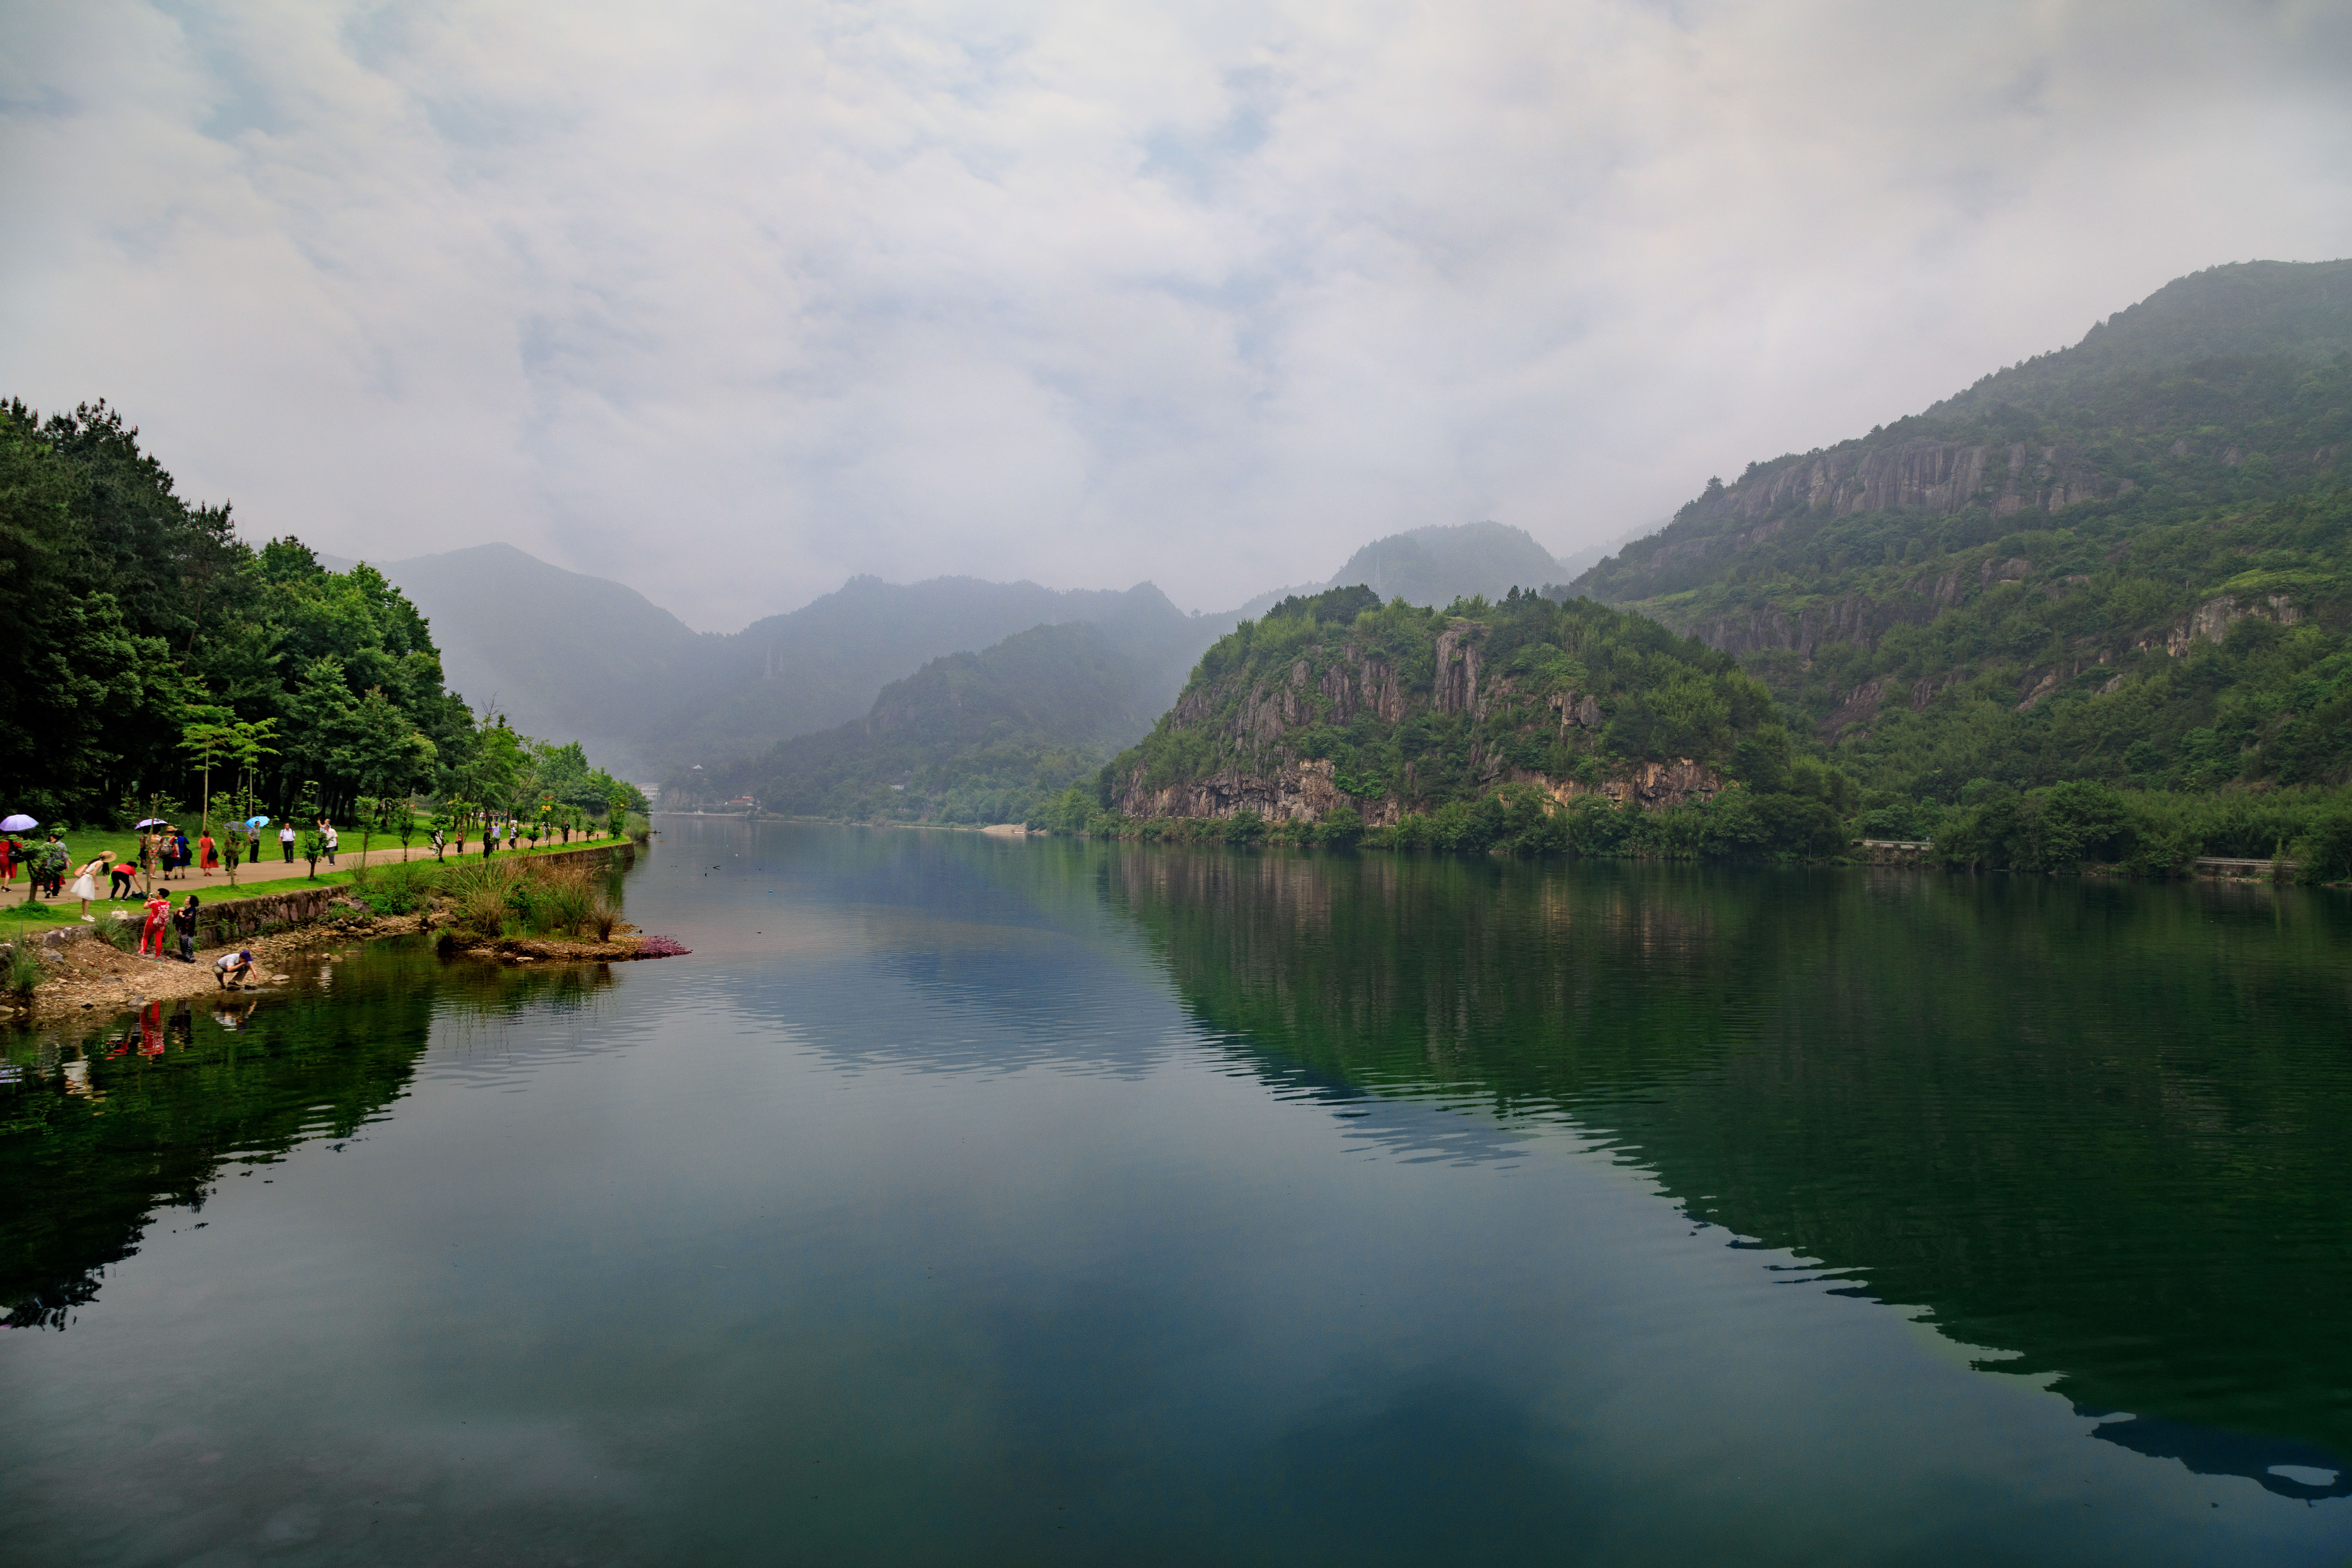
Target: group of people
164,852
42,864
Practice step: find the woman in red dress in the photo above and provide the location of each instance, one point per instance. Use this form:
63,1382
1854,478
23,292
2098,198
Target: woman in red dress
158,913
210,861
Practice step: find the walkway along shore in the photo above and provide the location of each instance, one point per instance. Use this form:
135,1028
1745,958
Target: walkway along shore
285,931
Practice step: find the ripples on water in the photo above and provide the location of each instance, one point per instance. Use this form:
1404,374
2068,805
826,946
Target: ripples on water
1102,1201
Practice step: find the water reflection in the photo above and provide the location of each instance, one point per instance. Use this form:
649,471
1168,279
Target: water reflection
2104,1127
104,1123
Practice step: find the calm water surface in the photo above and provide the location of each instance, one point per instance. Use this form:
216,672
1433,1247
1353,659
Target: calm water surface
964,1201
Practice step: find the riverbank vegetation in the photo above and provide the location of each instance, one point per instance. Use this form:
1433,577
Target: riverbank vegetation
162,666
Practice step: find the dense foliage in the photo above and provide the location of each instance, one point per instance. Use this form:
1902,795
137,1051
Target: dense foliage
2148,590
156,654
1484,725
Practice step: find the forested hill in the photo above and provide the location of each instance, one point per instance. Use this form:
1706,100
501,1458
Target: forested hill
142,636
2124,561
971,738
1340,706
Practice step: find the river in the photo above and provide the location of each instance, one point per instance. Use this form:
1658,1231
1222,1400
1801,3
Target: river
963,1200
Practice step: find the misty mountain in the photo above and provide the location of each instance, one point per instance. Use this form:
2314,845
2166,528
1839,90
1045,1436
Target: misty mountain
563,654
1434,566
970,738
2127,560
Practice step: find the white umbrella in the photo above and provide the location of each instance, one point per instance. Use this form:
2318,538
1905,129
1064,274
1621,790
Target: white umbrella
19,823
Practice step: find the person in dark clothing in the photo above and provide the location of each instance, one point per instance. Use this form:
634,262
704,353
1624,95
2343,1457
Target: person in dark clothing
118,879
183,920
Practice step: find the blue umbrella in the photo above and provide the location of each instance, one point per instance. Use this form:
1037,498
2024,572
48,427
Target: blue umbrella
257,822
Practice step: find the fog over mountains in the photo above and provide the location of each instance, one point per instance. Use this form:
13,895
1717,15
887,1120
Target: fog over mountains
566,655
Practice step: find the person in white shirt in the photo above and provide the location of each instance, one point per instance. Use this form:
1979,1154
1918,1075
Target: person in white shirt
286,841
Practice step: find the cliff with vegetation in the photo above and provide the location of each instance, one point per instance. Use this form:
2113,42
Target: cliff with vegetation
1524,720
2125,566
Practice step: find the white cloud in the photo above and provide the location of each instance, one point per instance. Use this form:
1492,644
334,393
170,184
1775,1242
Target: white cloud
733,300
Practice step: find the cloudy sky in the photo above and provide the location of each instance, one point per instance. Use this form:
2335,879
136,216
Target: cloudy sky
735,300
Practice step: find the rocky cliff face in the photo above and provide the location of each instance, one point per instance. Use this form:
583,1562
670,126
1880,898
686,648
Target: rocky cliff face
1254,723
1937,477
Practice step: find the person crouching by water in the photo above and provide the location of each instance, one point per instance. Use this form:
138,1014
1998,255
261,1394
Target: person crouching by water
184,922
234,970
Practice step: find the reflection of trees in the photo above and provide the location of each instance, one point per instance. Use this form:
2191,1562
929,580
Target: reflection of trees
2103,1126
141,1112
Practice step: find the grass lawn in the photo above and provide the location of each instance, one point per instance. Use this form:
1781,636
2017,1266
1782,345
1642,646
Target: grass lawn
17,915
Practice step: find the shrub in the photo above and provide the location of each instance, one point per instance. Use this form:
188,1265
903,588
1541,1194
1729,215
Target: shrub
22,970
565,901
1340,829
2326,855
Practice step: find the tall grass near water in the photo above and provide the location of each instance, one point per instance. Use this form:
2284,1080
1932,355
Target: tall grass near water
517,898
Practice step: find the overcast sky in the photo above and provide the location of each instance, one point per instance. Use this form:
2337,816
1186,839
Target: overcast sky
735,300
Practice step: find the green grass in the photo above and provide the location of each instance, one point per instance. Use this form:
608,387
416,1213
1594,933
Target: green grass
19,916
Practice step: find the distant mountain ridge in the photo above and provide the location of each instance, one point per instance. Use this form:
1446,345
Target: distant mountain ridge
562,653
970,738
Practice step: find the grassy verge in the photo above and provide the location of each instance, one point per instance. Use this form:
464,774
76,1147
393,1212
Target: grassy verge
18,916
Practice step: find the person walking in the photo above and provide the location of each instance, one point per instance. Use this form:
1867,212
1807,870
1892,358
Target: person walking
327,831
150,934
183,920
208,854
285,840
49,872
84,886
9,852
232,848
180,855
119,881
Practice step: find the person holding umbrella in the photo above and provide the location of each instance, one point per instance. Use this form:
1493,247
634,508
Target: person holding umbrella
12,851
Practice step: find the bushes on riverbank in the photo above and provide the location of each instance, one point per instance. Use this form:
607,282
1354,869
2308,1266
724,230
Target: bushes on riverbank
516,898
2062,828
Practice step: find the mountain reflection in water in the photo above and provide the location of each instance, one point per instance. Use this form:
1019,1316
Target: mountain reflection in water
119,1118
2105,1127
1083,1201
